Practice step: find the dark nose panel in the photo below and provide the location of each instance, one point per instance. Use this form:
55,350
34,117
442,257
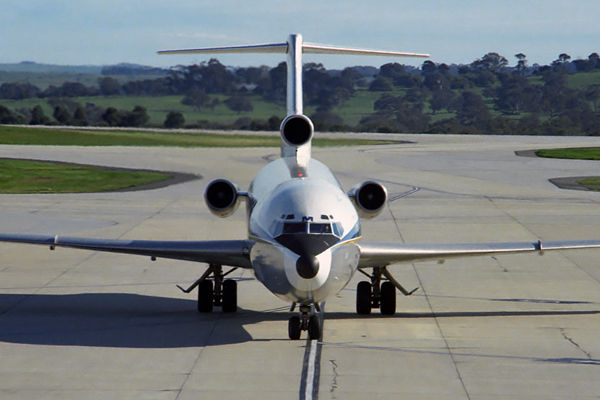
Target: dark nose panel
307,266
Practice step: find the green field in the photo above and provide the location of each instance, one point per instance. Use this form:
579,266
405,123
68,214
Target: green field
22,176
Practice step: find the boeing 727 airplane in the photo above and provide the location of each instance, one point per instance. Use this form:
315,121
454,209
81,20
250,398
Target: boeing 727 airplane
304,237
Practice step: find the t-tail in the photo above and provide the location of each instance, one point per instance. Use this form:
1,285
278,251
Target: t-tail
297,129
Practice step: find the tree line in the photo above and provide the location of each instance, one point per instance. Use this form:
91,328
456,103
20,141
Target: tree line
486,96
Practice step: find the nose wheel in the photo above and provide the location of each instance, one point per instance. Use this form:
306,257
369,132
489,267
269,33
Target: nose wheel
304,322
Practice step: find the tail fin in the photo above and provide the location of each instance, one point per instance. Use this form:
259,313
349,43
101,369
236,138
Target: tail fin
293,47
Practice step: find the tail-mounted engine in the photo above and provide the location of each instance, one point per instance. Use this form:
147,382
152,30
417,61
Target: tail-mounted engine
222,197
297,130
369,198
296,135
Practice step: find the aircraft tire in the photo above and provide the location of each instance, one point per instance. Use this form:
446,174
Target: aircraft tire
229,296
314,328
294,328
363,298
388,299
205,296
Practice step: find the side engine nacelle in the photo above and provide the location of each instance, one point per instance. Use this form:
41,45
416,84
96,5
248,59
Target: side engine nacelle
222,197
369,198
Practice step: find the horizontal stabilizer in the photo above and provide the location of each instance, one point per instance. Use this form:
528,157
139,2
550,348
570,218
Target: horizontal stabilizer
258,48
282,48
320,49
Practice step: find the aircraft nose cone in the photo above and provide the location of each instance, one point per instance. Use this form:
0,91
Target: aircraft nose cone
307,266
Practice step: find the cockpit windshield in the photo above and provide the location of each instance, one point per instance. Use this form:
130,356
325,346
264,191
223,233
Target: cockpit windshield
287,227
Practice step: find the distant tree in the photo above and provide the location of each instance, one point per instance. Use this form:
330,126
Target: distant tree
274,123
327,121
387,102
521,63
381,84
136,118
493,62
278,83
436,81
109,86
7,116
174,120
38,117
69,89
239,104
112,117
594,59
196,98
592,94
79,118
442,99
471,110
62,115
428,67
443,69
559,64
18,91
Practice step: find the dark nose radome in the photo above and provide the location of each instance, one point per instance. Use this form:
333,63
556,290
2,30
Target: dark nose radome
307,266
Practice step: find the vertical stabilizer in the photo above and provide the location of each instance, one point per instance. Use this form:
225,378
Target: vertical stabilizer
294,75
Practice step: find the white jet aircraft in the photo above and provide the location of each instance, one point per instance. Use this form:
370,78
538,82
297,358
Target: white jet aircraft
304,238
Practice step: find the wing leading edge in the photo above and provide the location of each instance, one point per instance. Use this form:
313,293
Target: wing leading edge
233,253
383,254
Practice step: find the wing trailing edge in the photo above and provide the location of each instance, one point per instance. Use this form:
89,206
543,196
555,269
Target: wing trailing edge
383,254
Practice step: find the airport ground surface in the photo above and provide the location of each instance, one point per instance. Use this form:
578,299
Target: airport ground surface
84,325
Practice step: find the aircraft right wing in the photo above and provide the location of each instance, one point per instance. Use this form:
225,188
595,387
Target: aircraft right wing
383,254
234,253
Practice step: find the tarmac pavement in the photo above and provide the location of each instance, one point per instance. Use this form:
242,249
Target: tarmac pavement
85,325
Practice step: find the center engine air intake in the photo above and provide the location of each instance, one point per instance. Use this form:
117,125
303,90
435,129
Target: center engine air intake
222,197
297,130
369,198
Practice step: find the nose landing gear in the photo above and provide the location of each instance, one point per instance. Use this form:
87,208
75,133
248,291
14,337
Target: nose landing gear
306,321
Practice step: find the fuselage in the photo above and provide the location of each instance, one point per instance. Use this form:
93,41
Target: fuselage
305,228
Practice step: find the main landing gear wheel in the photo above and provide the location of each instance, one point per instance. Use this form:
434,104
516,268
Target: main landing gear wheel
229,301
379,293
387,299
215,293
305,322
205,297
363,298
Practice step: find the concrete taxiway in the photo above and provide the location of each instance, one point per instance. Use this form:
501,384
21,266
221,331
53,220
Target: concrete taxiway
84,325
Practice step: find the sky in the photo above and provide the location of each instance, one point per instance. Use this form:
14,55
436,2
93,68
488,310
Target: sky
103,32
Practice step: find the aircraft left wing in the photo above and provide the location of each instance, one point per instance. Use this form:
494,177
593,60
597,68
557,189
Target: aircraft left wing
234,253
383,254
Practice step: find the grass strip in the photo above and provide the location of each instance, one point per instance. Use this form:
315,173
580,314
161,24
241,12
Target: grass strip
587,153
23,176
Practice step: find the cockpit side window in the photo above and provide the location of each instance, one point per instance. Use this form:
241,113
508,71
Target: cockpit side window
319,228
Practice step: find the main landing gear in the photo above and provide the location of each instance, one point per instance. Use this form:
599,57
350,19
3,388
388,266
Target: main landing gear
377,294
306,321
216,292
